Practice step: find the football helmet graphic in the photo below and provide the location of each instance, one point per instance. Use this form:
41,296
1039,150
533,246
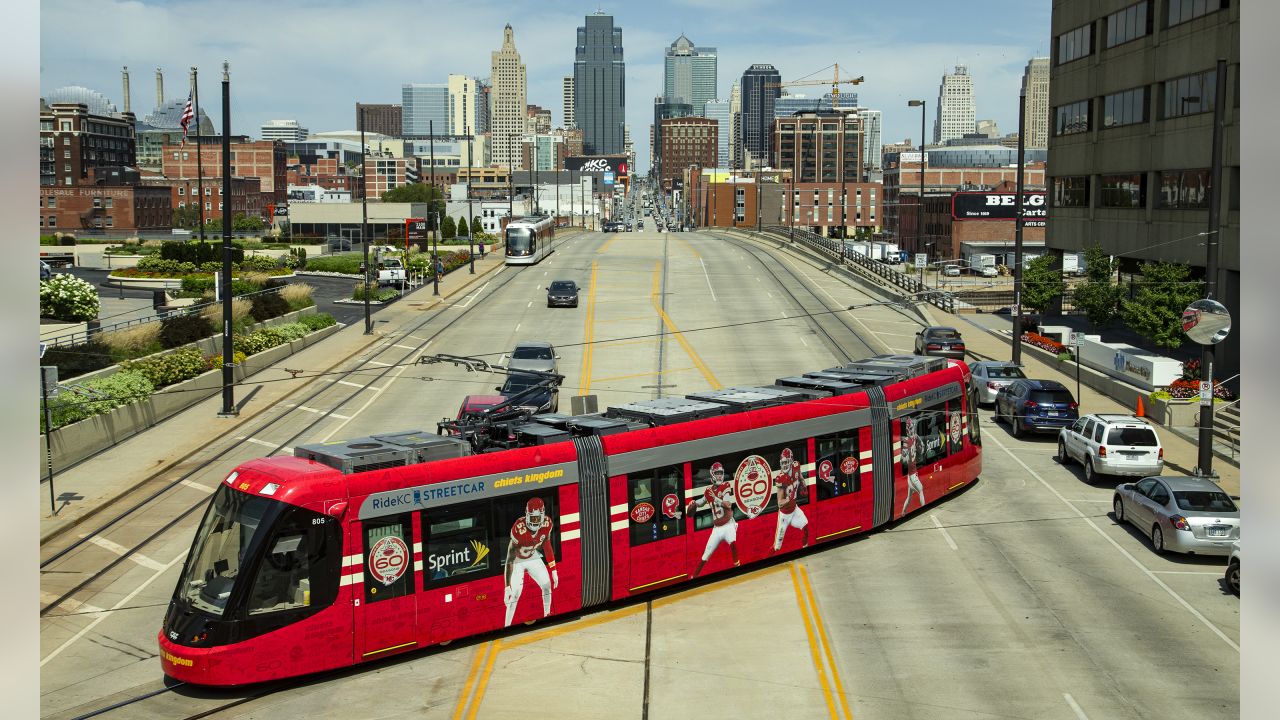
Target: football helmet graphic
826,470
786,460
717,473
535,513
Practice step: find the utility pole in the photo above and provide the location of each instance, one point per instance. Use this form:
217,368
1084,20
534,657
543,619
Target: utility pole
1205,458
1017,229
228,349
431,130
471,218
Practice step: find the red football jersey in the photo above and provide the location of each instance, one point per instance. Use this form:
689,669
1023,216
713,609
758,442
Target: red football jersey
527,542
717,499
790,486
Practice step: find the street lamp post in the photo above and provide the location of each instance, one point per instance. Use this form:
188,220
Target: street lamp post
435,257
920,202
471,218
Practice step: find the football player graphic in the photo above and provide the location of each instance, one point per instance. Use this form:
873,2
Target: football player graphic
530,534
787,485
912,451
719,497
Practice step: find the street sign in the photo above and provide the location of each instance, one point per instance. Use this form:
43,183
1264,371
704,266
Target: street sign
922,259
1077,338
1206,392
49,378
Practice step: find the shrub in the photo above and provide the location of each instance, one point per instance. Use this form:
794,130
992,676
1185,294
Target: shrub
239,312
267,305
298,295
67,240
267,338
214,362
132,341
300,254
1187,389
374,293
318,321
1065,356
76,360
1044,343
97,396
156,263
197,285
168,369
259,262
348,263
183,329
67,297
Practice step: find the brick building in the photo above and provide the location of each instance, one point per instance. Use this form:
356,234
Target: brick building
944,232
822,147
687,141
246,195
324,172
263,159
384,173
711,196
91,209
74,141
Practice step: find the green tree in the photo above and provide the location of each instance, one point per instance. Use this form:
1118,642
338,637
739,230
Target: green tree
245,223
463,231
477,228
1098,296
418,193
448,230
186,217
1040,283
1163,293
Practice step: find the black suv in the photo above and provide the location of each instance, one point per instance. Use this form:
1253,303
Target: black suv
1036,406
542,400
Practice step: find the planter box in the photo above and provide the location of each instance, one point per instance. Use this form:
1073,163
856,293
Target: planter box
74,442
1176,413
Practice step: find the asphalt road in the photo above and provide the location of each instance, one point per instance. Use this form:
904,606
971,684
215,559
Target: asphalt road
1017,598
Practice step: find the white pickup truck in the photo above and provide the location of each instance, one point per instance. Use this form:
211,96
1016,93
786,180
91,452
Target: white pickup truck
391,272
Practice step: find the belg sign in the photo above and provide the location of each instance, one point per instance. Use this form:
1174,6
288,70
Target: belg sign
999,206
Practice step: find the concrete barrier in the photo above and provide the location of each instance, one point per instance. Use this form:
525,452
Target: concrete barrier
73,443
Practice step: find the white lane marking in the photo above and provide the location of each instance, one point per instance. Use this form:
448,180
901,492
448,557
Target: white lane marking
538,287
321,412
945,534
374,398
378,362
802,342
766,292
412,337
1186,572
708,277
118,549
197,486
518,327
1107,502
1186,605
471,298
358,385
404,347
264,443
71,605
530,304
1075,707
122,602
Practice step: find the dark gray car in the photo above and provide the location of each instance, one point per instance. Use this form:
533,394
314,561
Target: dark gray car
941,342
563,293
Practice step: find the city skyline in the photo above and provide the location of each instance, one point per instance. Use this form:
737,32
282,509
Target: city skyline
269,82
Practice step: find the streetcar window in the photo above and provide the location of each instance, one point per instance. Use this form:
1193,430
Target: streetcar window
296,568
388,558
838,465
520,241
975,435
459,544
224,537
655,504
747,480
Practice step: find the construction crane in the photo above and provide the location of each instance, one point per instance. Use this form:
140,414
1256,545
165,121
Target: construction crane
835,84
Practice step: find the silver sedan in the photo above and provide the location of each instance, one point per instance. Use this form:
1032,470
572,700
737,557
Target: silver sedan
988,376
1180,514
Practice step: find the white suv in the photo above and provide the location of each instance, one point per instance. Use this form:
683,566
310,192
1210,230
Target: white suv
1111,445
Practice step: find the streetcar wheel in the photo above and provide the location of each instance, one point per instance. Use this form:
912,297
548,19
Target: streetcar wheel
1118,508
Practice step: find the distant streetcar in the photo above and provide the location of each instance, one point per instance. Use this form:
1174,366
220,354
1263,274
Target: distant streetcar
353,551
529,239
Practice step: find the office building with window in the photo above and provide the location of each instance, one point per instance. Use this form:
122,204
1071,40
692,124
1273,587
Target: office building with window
955,111
77,138
1036,80
284,131
1132,96
718,110
760,89
567,93
872,143
425,109
689,73
383,119
508,106
599,74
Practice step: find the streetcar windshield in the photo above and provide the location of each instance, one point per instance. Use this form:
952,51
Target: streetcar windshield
228,529
519,241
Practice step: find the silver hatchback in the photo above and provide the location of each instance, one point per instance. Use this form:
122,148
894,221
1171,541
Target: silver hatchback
988,376
1180,514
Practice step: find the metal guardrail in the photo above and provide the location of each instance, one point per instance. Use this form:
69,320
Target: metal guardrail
84,336
834,248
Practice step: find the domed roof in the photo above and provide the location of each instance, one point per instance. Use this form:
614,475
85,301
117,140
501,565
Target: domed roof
169,116
98,104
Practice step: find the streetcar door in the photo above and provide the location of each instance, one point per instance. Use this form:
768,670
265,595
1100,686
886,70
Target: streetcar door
656,527
388,603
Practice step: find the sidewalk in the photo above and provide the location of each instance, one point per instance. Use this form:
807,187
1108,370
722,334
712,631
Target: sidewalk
97,483
981,338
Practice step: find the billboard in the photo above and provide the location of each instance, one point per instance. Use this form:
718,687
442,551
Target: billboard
999,206
616,164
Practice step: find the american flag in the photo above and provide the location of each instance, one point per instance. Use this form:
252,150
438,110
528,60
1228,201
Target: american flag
187,115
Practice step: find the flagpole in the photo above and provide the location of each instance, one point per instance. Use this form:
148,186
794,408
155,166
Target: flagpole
195,96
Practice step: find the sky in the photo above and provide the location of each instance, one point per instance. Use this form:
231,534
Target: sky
312,61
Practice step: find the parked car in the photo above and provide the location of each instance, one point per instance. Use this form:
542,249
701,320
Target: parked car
951,270
988,376
534,355
1036,406
940,341
988,271
546,399
563,293
1108,444
1232,576
1180,514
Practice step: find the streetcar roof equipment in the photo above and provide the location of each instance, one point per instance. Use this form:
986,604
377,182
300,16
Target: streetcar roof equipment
667,411
750,398
383,451
830,385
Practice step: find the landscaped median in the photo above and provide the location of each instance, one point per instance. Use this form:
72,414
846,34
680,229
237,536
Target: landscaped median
109,405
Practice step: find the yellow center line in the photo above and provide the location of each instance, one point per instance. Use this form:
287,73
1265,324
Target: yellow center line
607,243
481,652
690,246
826,644
644,374
671,327
813,644
484,680
587,346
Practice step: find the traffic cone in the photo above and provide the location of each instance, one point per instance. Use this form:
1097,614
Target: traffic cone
1140,413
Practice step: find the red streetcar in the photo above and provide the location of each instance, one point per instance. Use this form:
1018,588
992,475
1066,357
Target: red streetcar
357,550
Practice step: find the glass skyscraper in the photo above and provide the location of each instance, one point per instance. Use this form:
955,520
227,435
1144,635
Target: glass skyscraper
690,73
599,77
718,110
426,107
757,112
